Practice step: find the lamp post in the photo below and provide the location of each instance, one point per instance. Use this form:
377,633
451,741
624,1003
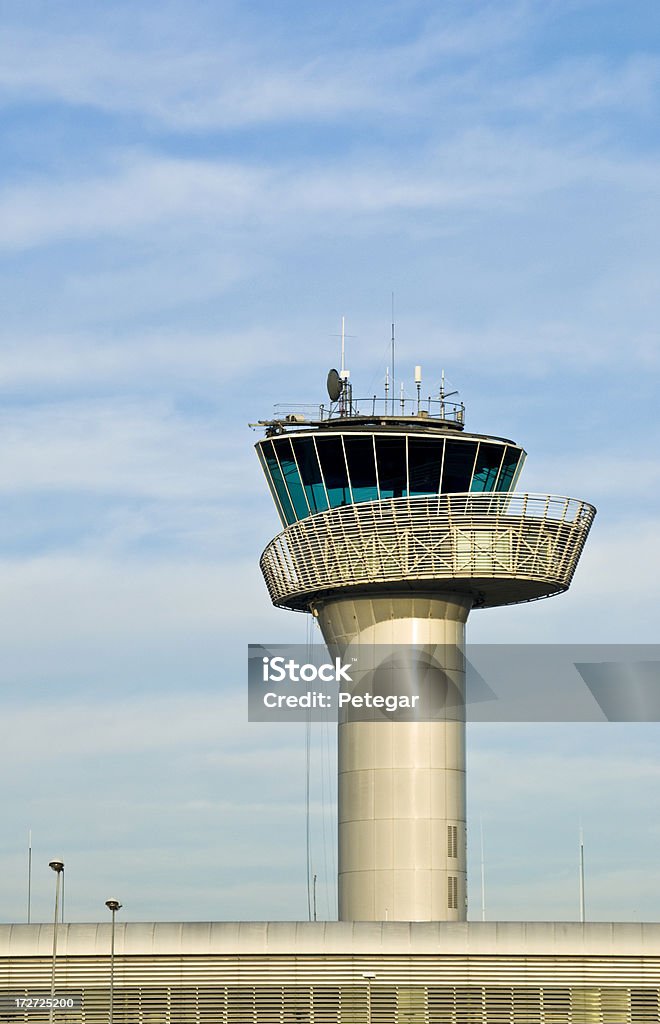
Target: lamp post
369,977
58,867
113,906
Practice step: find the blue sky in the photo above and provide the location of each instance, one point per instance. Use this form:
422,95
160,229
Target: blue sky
191,196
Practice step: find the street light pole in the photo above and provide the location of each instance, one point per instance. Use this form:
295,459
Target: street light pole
58,867
113,906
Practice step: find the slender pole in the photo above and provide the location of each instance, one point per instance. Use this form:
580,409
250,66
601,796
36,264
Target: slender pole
343,345
582,918
308,831
113,906
58,867
112,965
314,891
393,375
29,892
483,876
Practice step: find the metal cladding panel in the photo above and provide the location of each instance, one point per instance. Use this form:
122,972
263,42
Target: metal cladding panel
19,942
329,973
401,784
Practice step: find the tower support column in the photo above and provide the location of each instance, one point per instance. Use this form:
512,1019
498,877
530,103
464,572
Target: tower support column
401,798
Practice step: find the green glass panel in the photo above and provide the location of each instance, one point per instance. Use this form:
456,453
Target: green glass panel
489,458
278,481
391,459
458,466
310,472
509,465
424,464
361,468
291,476
333,467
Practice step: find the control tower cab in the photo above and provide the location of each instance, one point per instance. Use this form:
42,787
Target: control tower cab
397,523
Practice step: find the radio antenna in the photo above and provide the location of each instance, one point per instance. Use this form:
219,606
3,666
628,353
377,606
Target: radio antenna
344,374
582,916
393,375
343,346
483,873
29,884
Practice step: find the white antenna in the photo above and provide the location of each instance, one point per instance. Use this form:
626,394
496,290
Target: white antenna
344,373
581,875
418,382
483,873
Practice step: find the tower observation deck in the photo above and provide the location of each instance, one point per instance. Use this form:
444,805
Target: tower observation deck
397,523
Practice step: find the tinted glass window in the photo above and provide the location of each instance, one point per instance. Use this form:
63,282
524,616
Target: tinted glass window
361,468
424,465
391,458
333,467
278,481
509,465
487,467
310,472
291,476
459,463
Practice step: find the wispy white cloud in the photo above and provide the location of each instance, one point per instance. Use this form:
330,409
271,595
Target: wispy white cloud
135,362
116,446
62,729
99,615
260,75
573,87
253,75
142,191
479,171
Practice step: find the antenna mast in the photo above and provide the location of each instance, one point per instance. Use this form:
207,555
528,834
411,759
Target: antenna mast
29,884
581,875
343,345
393,376
483,874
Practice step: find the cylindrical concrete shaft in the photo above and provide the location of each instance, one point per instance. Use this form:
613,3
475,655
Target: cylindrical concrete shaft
402,818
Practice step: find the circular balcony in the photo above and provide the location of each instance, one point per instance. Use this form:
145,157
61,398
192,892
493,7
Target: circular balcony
502,548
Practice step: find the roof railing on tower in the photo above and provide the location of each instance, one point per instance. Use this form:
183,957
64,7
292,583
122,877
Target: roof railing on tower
374,407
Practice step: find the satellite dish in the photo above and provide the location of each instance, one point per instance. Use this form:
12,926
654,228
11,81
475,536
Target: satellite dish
335,385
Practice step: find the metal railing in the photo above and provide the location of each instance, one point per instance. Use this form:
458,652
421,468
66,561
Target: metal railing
348,408
502,548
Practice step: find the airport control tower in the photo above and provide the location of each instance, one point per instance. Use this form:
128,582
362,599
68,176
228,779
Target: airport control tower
397,523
